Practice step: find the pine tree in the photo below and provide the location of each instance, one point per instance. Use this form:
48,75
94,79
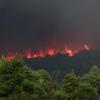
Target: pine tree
70,84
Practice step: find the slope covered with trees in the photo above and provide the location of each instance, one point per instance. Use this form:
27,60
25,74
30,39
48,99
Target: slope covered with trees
61,63
19,82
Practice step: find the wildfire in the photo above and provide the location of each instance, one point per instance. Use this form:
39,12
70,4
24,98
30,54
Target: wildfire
10,56
50,52
68,51
86,47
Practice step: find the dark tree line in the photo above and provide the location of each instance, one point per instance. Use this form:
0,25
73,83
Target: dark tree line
61,64
19,82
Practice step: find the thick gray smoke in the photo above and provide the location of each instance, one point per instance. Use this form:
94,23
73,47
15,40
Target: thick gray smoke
33,23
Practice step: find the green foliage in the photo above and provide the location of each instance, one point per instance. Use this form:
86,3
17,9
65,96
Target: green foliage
86,92
19,82
70,82
60,95
93,77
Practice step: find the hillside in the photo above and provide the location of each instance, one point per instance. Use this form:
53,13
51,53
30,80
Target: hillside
81,62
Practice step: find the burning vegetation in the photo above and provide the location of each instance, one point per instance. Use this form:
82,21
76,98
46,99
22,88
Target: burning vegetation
48,52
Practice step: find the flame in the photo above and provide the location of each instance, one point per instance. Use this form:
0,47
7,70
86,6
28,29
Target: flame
29,55
10,56
38,55
86,47
68,51
49,51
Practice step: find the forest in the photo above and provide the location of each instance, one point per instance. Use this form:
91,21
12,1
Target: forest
20,82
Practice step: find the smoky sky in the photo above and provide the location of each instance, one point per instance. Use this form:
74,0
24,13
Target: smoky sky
39,23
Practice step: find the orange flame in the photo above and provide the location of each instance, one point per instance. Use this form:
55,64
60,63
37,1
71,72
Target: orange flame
10,56
50,52
86,47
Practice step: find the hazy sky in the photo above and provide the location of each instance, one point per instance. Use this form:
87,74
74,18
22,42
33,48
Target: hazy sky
33,23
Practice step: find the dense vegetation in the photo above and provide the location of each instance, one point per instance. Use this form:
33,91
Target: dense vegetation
61,63
19,82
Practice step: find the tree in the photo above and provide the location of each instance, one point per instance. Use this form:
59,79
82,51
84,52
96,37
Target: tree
19,82
70,84
86,91
93,77
60,95
42,85
11,76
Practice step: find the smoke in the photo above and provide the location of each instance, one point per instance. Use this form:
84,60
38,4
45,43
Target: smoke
40,23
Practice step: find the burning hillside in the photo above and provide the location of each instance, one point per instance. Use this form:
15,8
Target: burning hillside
49,52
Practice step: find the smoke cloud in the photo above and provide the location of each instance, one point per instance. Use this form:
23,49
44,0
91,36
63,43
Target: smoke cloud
39,23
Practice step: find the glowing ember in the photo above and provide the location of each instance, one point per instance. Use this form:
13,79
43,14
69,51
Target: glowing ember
10,56
29,55
38,55
50,52
86,47
69,52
